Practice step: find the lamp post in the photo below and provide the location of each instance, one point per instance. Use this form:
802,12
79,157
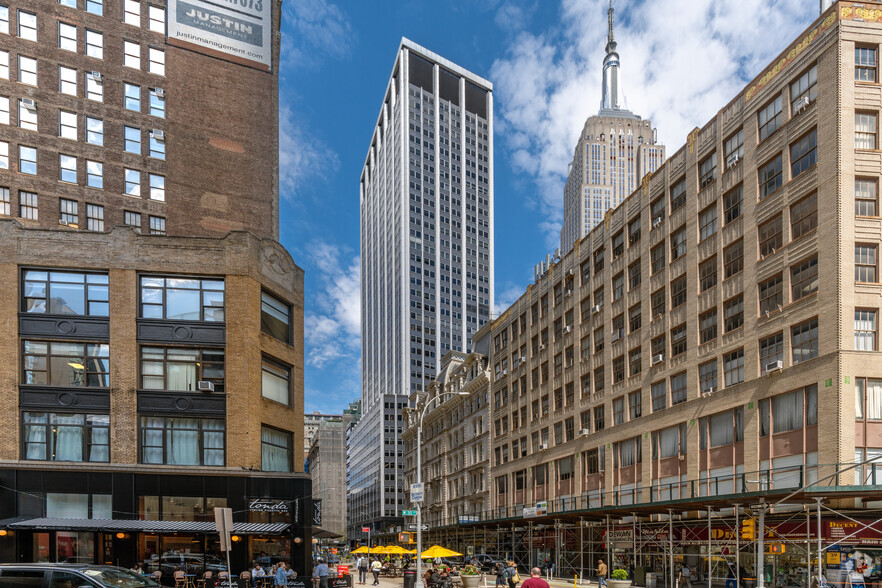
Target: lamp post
419,511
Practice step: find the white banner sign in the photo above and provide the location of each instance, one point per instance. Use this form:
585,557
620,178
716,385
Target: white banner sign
240,28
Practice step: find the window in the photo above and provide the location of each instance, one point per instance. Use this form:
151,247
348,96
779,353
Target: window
657,258
156,61
733,148
4,110
771,351
131,54
864,330
804,279
657,300
618,369
599,420
804,341
678,243
770,118
132,97
27,205
67,210
598,340
707,170
133,140
733,259
68,168
804,216
619,410
618,244
678,292
770,177
635,405
865,263
94,88
618,286
634,231
64,293
707,274
157,146
65,437
132,219
94,44
174,368
804,153
95,7
634,362
67,125
94,217
4,65
865,197
27,70
598,260
69,364
657,211
4,156
864,130
132,182
132,12
27,115
156,19
770,235
182,298
865,64
634,318
275,317
4,20
707,222
868,399
658,347
182,441
678,389
678,195
67,37
733,204
27,160
771,294
707,326
157,187
5,205
659,394
27,25
733,367
678,340
94,131
157,103
67,80
804,90
94,174
707,376
585,271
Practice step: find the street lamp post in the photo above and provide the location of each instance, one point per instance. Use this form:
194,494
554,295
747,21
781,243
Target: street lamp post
419,511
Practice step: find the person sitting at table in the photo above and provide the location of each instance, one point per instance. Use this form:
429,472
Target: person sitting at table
137,569
256,572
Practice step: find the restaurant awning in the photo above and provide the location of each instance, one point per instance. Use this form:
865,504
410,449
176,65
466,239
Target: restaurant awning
114,525
319,533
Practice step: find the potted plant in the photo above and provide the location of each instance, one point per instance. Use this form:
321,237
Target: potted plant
471,576
619,579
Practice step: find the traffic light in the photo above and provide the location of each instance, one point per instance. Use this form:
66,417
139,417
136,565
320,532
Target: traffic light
748,529
777,548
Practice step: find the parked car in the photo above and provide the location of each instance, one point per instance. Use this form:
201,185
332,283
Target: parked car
55,575
485,562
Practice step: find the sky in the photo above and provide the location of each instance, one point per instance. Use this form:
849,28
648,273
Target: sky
681,62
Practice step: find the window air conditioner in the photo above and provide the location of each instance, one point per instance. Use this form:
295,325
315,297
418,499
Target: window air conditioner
63,222
584,431
801,104
568,293
158,134
774,366
733,160
159,92
595,309
205,386
504,372
521,360
542,347
658,358
570,272
96,75
543,446
657,221
568,329
29,103
708,392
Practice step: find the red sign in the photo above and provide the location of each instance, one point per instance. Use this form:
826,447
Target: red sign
365,529
342,570
866,532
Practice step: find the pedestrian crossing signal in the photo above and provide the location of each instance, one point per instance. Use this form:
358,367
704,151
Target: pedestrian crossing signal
776,548
748,529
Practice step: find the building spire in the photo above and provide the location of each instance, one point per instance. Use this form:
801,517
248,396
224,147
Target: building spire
612,97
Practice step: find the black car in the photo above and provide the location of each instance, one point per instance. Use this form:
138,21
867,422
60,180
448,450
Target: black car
53,575
485,562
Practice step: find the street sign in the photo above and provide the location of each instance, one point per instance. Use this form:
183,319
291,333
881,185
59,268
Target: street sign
365,529
408,513
422,527
416,492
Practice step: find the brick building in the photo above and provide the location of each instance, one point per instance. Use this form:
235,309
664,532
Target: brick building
153,322
710,346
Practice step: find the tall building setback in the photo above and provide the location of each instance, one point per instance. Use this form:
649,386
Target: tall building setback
152,322
426,195
616,149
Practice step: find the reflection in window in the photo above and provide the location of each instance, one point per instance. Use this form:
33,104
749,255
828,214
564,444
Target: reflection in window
55,363
70,293
276,382
66,437
275,317
172,368
275,450
182,441
182,299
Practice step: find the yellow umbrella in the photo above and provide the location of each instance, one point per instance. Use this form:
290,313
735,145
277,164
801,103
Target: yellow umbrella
438,551
362,549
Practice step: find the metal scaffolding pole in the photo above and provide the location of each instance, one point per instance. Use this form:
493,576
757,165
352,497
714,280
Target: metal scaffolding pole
709,539
582,549
737,546
671,545
608,545
530,559
820,579
761,549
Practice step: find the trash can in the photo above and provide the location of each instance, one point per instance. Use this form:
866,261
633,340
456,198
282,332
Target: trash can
748,582
650,579
409,578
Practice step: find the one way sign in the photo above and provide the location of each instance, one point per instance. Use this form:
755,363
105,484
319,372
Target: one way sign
414,527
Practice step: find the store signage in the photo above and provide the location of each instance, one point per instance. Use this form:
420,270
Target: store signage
530,512
342,570
241,29
621,535
268,505
541,508
866,532
317,513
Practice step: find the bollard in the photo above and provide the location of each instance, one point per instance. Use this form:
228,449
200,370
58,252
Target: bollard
575,580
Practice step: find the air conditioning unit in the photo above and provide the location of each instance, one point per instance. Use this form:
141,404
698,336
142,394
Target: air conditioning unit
521,360
96,75
568,329
159,92
584,431
543,446
205,386
158,134
504,372
657,221
568,293
658,358
733,160
63,222
595,309
708,392
801,104
774,366
29,103
570,272
542,347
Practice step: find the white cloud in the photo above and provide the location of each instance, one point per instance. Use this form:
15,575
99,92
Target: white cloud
333,325
313,29
301,156
682,60
506,298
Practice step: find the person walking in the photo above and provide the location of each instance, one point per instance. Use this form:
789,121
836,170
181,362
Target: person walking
321,573
535,580
685,578
602,571
375,570
281,577
511,574
500,575
362,565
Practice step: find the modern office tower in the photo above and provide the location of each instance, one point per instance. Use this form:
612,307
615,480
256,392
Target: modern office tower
616,149
152,322
701,371
426,195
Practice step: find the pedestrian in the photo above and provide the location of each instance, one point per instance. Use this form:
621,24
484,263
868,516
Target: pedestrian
685,578
281,577
321,573
375,570
500,574
437,561
535,580
601,572
511,574
256,572
362,565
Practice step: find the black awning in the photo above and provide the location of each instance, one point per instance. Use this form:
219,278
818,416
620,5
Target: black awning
319,533
113,525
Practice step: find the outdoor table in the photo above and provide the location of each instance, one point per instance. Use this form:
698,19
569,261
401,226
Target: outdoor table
188,580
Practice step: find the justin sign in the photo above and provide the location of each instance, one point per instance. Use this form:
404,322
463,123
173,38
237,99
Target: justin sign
237,28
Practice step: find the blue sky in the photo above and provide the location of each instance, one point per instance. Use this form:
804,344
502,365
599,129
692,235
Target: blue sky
682,60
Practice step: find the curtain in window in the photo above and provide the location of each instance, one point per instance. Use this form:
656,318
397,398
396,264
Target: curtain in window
787,411
720,429
152,434
275,384
811,406
275,450
181,369
864,330
739,424
874,399
35,435
67,437
627,453
182,442
764,418
859,398
99,441
669,442
213,441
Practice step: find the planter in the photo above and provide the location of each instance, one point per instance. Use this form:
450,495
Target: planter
619,583
470,581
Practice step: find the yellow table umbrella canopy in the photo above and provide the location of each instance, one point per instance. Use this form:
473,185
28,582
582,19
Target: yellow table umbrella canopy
438,551
362,549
